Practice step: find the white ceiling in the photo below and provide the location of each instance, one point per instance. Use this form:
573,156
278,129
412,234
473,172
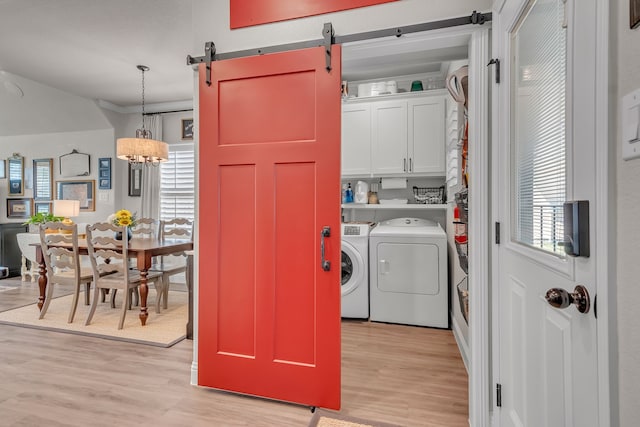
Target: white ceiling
415,53
91,48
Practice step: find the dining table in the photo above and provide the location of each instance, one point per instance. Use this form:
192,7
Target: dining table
142,249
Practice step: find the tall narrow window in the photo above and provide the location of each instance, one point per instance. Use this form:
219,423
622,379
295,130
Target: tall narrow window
538,133
177,186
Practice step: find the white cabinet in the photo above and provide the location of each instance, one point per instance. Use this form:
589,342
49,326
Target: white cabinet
356,139
426,135
389,137
402,136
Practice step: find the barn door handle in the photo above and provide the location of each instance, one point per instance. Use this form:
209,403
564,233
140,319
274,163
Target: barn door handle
560,298
326,232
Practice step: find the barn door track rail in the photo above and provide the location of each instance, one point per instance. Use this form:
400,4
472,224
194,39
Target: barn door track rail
329,38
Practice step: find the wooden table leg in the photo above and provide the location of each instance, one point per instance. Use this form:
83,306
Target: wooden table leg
144,290
42,279
189,277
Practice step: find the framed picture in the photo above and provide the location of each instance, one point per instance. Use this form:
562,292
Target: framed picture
42,179
84,191
104,173
187,128
634,13
19,208
75,164
43,207
16,175
135,180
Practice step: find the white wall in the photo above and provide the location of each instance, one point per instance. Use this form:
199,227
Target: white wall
126,125
96,143
211,22
47,123
42,109
628,234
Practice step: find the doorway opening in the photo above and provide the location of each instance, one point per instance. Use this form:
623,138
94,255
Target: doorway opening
382,70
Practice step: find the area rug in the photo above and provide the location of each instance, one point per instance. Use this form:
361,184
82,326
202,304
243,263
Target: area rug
323,418
7,286
164,329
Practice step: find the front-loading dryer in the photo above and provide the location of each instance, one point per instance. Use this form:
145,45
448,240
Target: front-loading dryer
355,270
408,265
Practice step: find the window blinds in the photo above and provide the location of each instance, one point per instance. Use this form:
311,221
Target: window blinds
177,183
539,126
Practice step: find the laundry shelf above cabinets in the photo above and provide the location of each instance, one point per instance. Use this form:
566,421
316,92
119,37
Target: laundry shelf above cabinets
416,206
399,136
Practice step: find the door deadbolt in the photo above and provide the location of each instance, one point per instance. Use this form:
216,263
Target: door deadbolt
560,298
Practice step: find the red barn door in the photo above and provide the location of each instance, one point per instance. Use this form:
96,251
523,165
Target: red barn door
269,314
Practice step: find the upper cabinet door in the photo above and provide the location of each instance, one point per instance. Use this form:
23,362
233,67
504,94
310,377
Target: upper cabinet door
356,139
426,138
389,137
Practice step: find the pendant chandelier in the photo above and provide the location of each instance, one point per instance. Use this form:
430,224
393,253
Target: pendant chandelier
142,149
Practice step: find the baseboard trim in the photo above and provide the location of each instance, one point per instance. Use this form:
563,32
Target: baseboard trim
462,345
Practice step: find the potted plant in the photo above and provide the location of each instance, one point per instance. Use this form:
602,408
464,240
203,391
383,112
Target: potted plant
40,218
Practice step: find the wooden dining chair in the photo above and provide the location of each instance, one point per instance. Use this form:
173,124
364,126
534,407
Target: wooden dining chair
109,261
63,263
170,265
148,228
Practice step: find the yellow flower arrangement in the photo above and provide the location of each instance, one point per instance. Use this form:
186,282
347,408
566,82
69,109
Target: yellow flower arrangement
123,218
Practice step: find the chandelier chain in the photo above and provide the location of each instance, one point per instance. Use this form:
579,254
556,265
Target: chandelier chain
143,99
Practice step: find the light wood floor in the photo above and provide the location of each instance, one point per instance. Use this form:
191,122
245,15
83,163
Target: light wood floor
410,376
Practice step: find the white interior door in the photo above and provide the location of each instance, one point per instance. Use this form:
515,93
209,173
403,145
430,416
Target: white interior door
546,126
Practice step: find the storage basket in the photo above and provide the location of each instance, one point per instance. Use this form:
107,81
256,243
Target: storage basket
463,297
461,248
429,195
463,205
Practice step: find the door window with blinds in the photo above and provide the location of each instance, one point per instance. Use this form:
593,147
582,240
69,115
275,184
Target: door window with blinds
177,187
538,133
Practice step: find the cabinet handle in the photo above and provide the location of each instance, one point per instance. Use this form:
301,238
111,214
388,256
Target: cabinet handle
410,164
404,163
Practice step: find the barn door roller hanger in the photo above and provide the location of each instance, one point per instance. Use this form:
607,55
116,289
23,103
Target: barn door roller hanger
328,39
211,55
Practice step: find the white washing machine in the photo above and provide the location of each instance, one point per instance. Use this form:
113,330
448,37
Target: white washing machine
355,270
408,266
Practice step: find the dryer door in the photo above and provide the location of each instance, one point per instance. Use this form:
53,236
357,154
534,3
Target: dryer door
408,268
353,268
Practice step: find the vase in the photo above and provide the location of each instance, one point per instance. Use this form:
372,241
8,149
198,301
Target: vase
119,234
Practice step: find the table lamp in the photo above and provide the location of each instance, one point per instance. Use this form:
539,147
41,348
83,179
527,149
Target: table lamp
66,209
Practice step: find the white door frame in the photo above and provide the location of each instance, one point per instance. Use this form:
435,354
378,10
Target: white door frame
479,230
604,237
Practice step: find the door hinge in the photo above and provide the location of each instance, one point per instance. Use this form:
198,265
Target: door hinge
496,62
497,233
499,395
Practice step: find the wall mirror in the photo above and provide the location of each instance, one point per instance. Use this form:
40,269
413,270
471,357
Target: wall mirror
43,179
16,175
74,164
